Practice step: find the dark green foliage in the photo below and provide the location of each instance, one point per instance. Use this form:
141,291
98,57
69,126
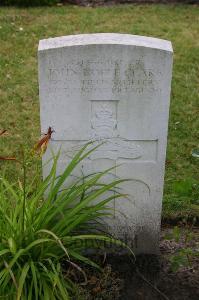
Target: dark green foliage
28,2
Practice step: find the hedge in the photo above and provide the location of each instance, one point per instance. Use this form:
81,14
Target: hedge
28,2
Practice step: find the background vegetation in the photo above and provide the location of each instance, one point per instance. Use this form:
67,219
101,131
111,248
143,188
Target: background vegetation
20,31
28,2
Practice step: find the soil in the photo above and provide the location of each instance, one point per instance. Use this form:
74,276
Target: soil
150,277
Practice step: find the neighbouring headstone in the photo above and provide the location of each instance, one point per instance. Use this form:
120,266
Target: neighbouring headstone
113,87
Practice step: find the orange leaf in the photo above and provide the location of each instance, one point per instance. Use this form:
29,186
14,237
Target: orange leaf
7,158
41,146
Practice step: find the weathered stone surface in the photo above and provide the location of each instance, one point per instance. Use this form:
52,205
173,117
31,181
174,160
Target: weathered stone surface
113,87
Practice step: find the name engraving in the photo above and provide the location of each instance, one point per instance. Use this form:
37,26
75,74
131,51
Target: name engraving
87,76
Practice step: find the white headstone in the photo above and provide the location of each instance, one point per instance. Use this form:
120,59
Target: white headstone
114,87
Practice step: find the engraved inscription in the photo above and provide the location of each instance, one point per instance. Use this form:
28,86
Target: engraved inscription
115,75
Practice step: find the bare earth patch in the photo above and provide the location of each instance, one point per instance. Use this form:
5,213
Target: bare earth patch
150,278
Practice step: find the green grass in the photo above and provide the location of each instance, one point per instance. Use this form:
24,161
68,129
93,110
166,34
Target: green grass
20,32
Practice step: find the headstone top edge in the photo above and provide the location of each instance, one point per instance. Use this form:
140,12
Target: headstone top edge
104,39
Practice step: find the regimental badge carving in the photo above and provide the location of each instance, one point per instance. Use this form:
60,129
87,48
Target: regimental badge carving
118,148
104,119
104,128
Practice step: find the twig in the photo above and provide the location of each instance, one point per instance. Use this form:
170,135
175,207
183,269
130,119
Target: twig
149,283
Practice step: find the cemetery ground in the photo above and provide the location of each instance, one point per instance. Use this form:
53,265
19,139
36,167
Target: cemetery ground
20,31
149,278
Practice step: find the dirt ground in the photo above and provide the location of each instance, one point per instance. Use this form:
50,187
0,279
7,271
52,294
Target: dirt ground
151,277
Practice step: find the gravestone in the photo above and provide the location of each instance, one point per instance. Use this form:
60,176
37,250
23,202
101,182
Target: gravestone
112,87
